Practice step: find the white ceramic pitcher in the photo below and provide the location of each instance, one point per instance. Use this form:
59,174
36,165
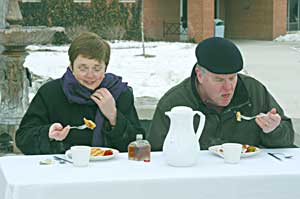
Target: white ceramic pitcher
181,146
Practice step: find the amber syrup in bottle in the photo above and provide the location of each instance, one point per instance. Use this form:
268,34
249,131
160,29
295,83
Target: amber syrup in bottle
139,150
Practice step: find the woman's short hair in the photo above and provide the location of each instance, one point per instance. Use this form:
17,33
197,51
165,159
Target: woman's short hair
91,46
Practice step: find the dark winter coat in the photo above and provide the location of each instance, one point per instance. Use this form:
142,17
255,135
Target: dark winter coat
250,98
50,105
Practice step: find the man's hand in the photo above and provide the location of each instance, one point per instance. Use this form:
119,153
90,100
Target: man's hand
58,132
269,122
106,103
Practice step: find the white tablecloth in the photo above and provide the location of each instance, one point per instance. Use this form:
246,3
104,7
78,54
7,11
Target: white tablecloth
257,177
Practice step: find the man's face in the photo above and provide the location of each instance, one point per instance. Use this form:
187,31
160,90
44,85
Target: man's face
216,89
89,72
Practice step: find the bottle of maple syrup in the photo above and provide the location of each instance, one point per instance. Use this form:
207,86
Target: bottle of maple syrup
139,150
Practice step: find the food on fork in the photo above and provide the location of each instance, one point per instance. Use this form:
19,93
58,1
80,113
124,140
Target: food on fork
101,152
89,123
238,116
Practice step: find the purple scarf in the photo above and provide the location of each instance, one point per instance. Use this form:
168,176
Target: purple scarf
76,93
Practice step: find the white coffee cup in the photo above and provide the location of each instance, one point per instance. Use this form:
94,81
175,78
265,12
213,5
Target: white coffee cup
232,152
80,155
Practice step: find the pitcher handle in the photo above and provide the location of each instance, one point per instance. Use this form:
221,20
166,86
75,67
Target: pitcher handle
201,124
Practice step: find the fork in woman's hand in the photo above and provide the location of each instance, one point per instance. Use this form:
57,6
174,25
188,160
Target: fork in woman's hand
87,124
79,127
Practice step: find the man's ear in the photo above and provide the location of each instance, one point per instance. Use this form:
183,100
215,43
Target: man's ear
199,74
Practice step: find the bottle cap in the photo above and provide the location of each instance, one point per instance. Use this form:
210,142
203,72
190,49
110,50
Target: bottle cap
139,136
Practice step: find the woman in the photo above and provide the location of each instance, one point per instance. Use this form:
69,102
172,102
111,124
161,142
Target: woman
84,91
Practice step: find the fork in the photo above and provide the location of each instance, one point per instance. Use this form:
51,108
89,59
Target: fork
283,155
253,117
61,160
79,127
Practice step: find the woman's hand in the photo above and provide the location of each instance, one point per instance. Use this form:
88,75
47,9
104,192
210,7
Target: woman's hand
58,132
106,103
269,122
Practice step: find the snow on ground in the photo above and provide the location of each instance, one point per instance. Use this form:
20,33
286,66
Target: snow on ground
153,76
289,37
172,62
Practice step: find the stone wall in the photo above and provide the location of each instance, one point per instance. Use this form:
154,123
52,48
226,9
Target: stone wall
145,107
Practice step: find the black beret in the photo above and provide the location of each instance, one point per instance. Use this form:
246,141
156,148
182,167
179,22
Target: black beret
219,55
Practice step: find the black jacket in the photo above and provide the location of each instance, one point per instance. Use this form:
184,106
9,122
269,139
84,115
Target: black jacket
250,98
50,105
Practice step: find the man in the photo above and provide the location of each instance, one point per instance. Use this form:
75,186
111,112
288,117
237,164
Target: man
217,90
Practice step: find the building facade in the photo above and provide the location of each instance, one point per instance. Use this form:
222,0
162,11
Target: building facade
194,20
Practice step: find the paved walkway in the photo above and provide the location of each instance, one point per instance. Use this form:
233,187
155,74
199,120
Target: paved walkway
277,65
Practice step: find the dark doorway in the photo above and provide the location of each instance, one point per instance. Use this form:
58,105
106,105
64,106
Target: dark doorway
293,15
183,20
184,16
217,9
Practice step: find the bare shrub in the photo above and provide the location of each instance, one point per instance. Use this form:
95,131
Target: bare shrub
73,31
113,33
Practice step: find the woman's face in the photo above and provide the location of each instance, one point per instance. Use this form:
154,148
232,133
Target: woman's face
89,72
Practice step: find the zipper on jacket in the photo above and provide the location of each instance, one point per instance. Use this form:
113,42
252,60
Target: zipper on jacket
237,107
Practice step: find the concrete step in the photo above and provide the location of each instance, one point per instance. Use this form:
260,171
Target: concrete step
296,124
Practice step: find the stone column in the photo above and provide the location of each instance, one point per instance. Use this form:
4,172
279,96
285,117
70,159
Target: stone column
3,12
13,89
13,79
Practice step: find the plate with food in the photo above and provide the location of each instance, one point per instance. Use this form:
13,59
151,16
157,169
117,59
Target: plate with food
247,150
98,153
